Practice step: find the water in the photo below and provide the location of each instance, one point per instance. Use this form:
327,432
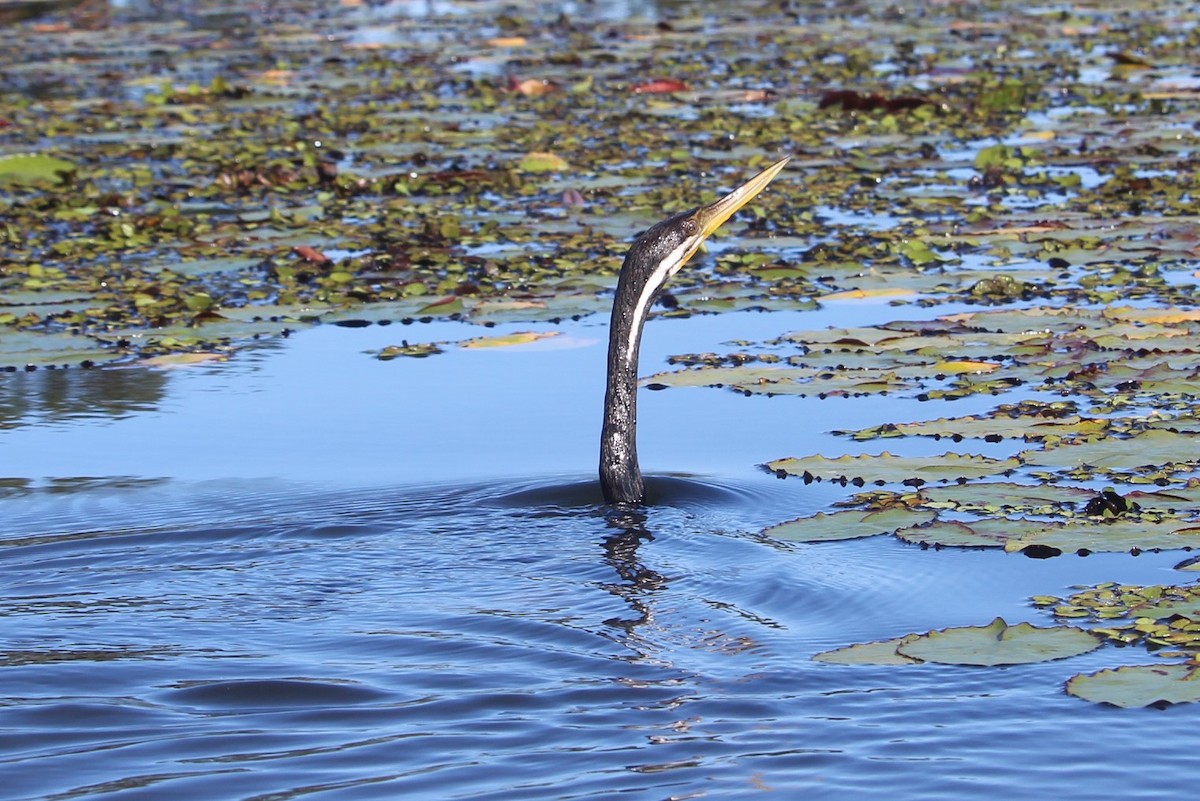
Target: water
308,573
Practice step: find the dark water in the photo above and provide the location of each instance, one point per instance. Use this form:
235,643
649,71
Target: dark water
303,593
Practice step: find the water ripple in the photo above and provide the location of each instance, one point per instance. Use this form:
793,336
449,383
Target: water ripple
514,640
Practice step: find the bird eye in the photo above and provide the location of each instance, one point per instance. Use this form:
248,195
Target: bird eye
690,227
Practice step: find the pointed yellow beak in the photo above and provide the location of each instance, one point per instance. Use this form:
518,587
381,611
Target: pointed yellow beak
712,216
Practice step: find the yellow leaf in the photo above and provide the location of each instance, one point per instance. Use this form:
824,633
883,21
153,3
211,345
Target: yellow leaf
507,340
508,41
867,294
543,162
1161,316
960,366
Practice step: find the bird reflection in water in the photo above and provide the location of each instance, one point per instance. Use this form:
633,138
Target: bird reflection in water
621,553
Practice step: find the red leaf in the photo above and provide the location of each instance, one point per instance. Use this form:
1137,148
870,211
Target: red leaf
311,255
659,87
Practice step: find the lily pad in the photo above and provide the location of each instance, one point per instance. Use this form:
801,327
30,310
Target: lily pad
543,162
848,525
507,340
32,168
887,468
418,350
1000,644
1139,685
1124,534
985,646
883,652
1151,452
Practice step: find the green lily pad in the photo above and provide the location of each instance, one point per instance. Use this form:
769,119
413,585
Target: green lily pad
543,162
992,496
1123,534
32,168
988,427
507,340
1154,452
882,652
417,350
887,468
1159,616
999,644
763,379
994,644
1139,685
848,525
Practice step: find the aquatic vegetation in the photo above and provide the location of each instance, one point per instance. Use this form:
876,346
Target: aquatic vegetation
1015,189
997,643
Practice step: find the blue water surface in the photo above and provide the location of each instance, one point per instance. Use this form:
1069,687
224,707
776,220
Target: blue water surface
310,573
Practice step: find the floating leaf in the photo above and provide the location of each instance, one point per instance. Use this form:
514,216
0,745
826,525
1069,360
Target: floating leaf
534,87
543,162
507,340
868,294
766,379
992,428
999,644
847,525
919,253
31,168
883,652
888,468
1139,685
984,497
661,86
1087,535
417,350
1152,452
443,307
994,644
960,366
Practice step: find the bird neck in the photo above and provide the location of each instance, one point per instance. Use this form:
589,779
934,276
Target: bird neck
620,475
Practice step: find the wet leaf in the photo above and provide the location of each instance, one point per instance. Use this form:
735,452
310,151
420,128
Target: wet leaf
999,644
1124,534
543,162
32,168
660,86
984,646
417,350
1138,685
507,340
886,468
847,525
883,652
443,307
